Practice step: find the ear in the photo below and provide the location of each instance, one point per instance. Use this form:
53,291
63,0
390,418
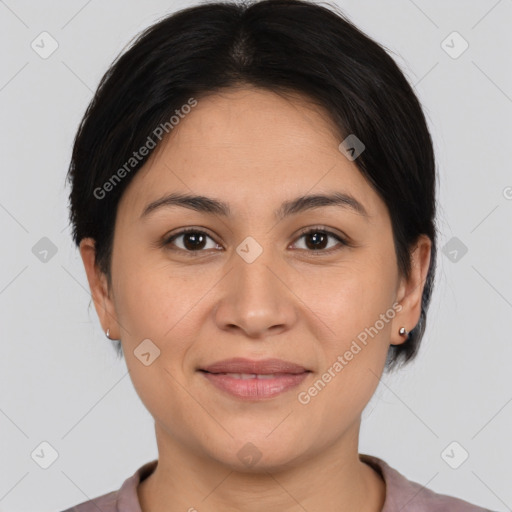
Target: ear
99,288
410,290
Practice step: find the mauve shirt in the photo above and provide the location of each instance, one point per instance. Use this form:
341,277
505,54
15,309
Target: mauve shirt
402,495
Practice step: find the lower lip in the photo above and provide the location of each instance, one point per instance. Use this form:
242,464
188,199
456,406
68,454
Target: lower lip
255,389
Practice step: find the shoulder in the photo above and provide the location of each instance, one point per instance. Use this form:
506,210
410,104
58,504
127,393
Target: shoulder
124,499
408,496
105,503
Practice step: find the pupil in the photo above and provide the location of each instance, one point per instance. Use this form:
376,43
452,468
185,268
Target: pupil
315,236
195,237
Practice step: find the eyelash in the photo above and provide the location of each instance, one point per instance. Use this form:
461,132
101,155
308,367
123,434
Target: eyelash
317,229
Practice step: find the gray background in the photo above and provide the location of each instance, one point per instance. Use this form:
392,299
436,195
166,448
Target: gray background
60,380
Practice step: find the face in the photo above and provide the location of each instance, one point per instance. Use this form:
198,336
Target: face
317,287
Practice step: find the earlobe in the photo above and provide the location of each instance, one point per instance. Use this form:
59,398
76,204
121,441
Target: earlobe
403,336
99,287
410,292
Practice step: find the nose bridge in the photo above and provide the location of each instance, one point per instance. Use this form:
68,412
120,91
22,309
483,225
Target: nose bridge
253,267
256,269
254,298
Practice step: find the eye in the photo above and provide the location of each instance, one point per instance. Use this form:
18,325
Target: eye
316,239
193,240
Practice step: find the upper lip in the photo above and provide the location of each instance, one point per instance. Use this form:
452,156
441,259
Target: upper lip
263,366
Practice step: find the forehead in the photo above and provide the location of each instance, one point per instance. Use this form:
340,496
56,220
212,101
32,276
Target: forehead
240,114
249,145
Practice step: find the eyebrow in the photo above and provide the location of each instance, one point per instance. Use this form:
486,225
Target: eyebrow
300,204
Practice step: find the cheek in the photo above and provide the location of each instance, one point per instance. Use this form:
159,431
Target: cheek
355,346
140,304
159,302
153,305
351,297
356,303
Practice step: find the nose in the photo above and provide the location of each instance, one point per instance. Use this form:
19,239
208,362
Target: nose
255,299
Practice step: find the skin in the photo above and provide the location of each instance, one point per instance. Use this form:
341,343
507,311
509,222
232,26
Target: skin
254,149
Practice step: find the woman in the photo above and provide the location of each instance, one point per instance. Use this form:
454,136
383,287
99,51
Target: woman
253,196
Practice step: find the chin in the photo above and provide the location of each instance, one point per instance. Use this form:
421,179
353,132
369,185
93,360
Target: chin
259,454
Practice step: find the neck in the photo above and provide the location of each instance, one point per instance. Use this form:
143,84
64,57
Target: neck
184,481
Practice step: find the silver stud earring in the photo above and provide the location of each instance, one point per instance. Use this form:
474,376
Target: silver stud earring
402,331
108,333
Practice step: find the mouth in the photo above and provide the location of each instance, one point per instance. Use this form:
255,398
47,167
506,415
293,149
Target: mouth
247,376
254,380
240,365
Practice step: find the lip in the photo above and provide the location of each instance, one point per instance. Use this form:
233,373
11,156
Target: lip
286,375
262,366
